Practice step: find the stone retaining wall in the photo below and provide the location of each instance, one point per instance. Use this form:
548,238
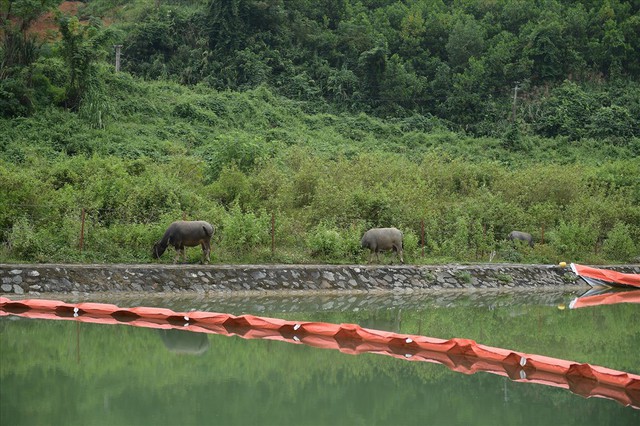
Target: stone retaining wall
52,278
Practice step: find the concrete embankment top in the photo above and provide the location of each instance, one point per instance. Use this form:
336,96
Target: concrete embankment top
70,278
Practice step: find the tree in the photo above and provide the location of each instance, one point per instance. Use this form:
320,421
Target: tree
233,24
19,47
631,29
372,64
82,47
466,40
545,48
18,50
565,112
400,86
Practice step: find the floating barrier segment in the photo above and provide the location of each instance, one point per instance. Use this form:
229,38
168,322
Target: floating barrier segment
609,298
461,355
599,277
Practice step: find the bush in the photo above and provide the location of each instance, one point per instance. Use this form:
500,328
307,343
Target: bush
351,241
457,244
619,246
565,112
231,186
14,98
44,244
510,252
574,240
22,240
240,149
244,232
612,121
410,245
49,79
325,241
375,207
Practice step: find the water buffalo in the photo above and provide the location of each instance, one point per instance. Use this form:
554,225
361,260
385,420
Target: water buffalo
383,319
382,239
183,234
522,236
184,342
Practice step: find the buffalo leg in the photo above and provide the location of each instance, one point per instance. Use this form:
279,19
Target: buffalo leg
399,252
206,252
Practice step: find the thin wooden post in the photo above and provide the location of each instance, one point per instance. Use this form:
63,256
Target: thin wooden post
184,215
273,233
472,236
484,238
422,235
82,230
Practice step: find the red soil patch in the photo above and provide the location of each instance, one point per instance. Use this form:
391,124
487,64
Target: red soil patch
46,26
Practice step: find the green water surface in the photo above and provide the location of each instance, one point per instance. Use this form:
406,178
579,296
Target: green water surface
72,373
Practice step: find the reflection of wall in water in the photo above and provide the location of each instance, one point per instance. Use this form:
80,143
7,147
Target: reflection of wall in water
275,304
184,342
387,320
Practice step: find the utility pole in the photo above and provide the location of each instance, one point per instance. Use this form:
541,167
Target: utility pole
515,98
117,47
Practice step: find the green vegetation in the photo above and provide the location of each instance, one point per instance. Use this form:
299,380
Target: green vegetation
329,117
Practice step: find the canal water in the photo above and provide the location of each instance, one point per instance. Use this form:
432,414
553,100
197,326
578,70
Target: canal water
73,373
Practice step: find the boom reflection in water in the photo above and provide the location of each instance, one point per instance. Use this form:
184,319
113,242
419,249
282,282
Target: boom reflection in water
462,355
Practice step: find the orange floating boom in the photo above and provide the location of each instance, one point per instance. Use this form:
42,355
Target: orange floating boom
462,355
610,298
597,276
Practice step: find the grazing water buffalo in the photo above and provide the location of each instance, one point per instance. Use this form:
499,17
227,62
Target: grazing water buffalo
183,234
382,239
522,236
384,319
184,342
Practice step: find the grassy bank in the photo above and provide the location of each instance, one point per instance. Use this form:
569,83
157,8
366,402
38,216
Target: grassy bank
163,151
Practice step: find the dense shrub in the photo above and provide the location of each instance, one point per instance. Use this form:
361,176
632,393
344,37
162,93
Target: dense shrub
325,242
242,233
619,244
574,239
